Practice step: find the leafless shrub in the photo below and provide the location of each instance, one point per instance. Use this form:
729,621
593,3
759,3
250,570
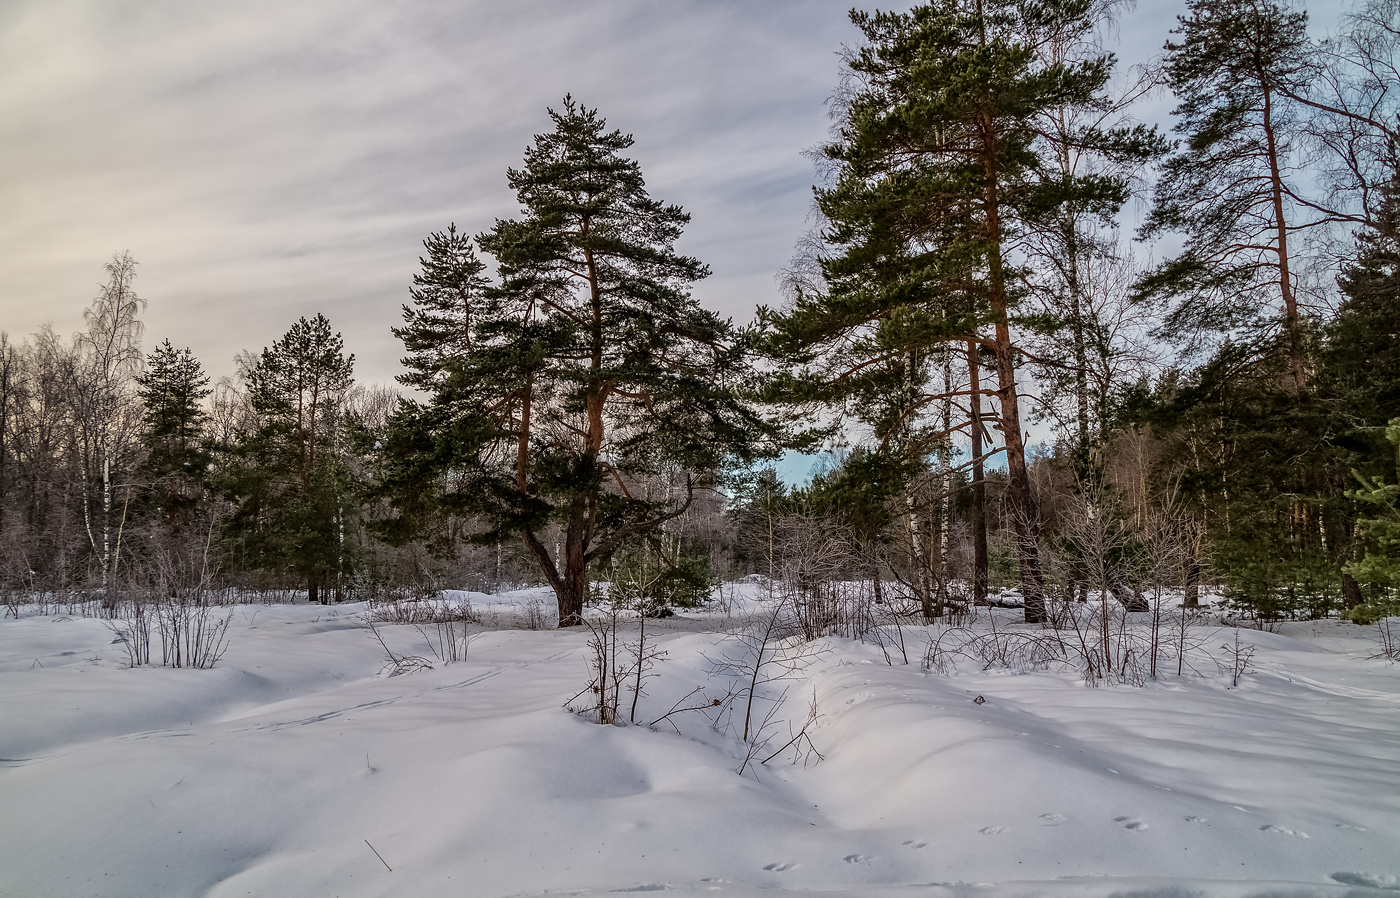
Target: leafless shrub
395,664
800,739
1389,638
1100,642
644,658
606,683
1013,649
448,640
888,630
814,586
536,617
422,611
767,648
1238,658
616,666
133,630
192,634
698,699
726,598
810,577
942,649
1186,642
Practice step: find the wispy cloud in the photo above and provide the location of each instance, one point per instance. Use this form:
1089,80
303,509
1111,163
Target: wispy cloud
266,159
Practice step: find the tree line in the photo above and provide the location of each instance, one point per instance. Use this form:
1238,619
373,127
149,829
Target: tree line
1227,416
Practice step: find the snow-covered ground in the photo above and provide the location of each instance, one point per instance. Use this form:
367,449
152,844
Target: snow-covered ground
296,767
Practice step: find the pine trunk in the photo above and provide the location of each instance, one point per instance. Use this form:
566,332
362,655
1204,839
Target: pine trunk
979,486
1018,485
573,591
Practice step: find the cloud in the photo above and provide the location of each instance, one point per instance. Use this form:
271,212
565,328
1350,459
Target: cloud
264,160
267,159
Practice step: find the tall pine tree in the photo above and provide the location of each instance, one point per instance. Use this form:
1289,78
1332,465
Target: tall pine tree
941,167
1231,186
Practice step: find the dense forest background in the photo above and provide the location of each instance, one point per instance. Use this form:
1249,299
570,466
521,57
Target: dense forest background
1222,387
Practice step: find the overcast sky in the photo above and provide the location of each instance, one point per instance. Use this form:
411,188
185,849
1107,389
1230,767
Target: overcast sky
264,160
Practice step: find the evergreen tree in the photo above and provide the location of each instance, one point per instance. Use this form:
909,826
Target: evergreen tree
759,501
941,167
172,389
590,363
1379,536
288,477
1380,565
445,292
1256,467
1360,357
1230,187
860,494
1359,373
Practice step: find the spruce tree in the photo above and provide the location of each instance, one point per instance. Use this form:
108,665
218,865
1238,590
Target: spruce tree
1256,467
590,364
1360,357
172,389
1359,374
1379,565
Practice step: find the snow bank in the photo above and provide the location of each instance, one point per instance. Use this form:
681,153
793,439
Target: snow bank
295,767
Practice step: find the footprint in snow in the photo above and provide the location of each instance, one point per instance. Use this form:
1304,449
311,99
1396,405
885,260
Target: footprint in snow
856,858
1270,828
1130,823
779,868
1355,829
992,830
1052,819
1197,820
916,843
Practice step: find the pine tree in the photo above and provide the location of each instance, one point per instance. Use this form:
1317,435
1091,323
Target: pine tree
437,326
590,364
941,167
1230,188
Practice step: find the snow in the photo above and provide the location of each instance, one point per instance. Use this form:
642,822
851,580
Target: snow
297,766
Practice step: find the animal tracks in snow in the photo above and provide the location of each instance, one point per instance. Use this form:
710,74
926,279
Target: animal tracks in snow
1270,828
1369,880
992,830
916,843
778,868
1052,819
1131,823
856,858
